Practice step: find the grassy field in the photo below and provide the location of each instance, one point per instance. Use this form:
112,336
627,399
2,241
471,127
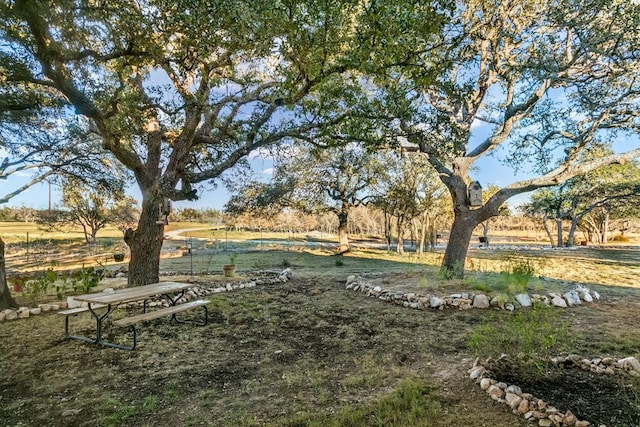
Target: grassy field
310,353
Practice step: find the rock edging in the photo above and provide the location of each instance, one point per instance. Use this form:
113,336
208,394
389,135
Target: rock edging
533,408
466,300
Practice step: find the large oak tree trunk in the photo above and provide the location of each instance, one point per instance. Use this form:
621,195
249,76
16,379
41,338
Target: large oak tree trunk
6,300
145,244
459,238
465,220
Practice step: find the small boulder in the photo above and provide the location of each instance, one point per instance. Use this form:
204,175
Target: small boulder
524,300
435,302
480,301
569,419
572,298
523,407
477,372
513,400
495,391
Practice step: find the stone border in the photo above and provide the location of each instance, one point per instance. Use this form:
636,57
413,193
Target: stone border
193,293
533,408
467,300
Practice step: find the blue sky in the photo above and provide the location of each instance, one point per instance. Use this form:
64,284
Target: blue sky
490,171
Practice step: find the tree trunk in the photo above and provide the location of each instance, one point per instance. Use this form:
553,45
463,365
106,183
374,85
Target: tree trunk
6,300
572,231
545,225
485,233
605,228
422,234
387,229
400,232
456,253
145,244
343,231
559,231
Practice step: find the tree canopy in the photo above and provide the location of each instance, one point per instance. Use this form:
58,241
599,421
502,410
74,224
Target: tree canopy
533,83
179,92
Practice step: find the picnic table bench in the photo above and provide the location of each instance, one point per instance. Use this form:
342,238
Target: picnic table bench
171,291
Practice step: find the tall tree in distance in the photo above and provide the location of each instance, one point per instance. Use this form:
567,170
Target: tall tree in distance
90,208
316,180
586,201
410,193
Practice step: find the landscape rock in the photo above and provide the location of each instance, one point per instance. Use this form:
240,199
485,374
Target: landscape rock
524,300
435,302
497,301
513,400
514,389
35,311
495,391
288,273
477,372
572,298
584,293
569,419
629,363
480,301
485,383
523,407
557,301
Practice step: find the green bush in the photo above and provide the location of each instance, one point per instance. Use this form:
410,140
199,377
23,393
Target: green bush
35,288
85,279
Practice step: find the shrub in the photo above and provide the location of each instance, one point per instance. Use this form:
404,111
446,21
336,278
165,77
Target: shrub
85,279
620,238
35,288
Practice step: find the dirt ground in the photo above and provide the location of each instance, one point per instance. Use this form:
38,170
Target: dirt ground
293,354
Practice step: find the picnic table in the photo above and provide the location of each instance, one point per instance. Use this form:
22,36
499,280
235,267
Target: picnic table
101,305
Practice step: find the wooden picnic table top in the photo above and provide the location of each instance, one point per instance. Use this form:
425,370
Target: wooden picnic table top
133,294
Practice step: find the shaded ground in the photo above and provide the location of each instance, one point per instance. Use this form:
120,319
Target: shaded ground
307,352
